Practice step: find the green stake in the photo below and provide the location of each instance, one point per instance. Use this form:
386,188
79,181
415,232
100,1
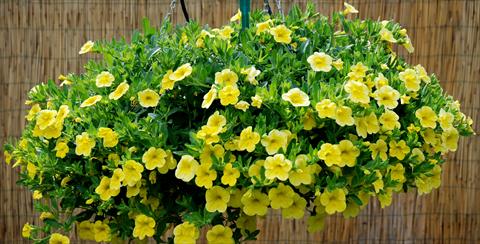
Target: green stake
245,9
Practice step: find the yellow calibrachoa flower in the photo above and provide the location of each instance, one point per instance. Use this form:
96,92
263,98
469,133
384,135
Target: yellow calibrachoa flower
121,89
32,113
263,27
31,170
386,35
57,238
281,34
410,79
427,182
349,9
297,209
209,134
101,231
144,227
256,101
338,64
296,97
252,74
87,47
181,72
186,168
301,172
226,77
389,120
148,98
248,139
255,203
274,141
331,154
445,119
230,175
226,32
133,172
154,158
348,153
343,116
237,16
397,173
387,96
319,61
117,178
358,71
46,118
334,201
61,149
379,149
220,234
185,233
277,167
205,176
380,81
86,230
84,144
450,139
110,137
37,195
326,109
26,230
216,198
309,121
104,190
422,73
398,149
427,117
210,151
46,215
367,125
217,120
91,101
104,79
358,92
209,97
229,95
242,105
281,197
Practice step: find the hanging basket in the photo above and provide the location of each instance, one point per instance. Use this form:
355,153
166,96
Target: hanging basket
186,127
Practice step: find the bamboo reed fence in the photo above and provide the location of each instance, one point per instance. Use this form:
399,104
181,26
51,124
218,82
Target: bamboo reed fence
40,39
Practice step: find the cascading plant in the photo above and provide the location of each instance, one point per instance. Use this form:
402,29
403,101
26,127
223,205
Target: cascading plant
189,127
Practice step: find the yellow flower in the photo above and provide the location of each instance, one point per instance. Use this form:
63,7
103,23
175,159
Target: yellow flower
91,101
277,167
334,201
445,119
398,149
229,95
209,134
378,183
343,116
170,163
301,172
84,144
263,26
110,137
154,158
104,79
148,98
281,34
387,96
117,178
87,47
426,183
205,176
237,16
144,226
296,97
220,234
101,231
331,154
319,61
410,79
386,35
56,238
348,153
61,149
181,72
252,74
422,73
226,77
121,89
37,195
326,109
309,121
281,197
226,32
104,190
379,149
185,233
31,170
380,81
256,101
274,141
133,172
349,9
248,139
245,222
46,118
209,97
186,168
357,91
134,190
210,151
338,64
230,175
216,120
86,230
358,71
46,215
408,45
450,139
26,230
385,198
367,125
255,203
389,120
236,197
216,199
33,112
242,105
296,210
397,173
427,117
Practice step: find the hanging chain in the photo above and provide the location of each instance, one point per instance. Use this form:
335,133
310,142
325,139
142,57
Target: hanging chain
279,8
173,4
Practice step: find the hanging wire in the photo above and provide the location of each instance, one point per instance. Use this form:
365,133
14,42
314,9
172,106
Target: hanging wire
279,8
184,10
266,7
173,3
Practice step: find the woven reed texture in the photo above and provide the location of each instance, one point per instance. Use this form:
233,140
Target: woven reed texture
40,39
